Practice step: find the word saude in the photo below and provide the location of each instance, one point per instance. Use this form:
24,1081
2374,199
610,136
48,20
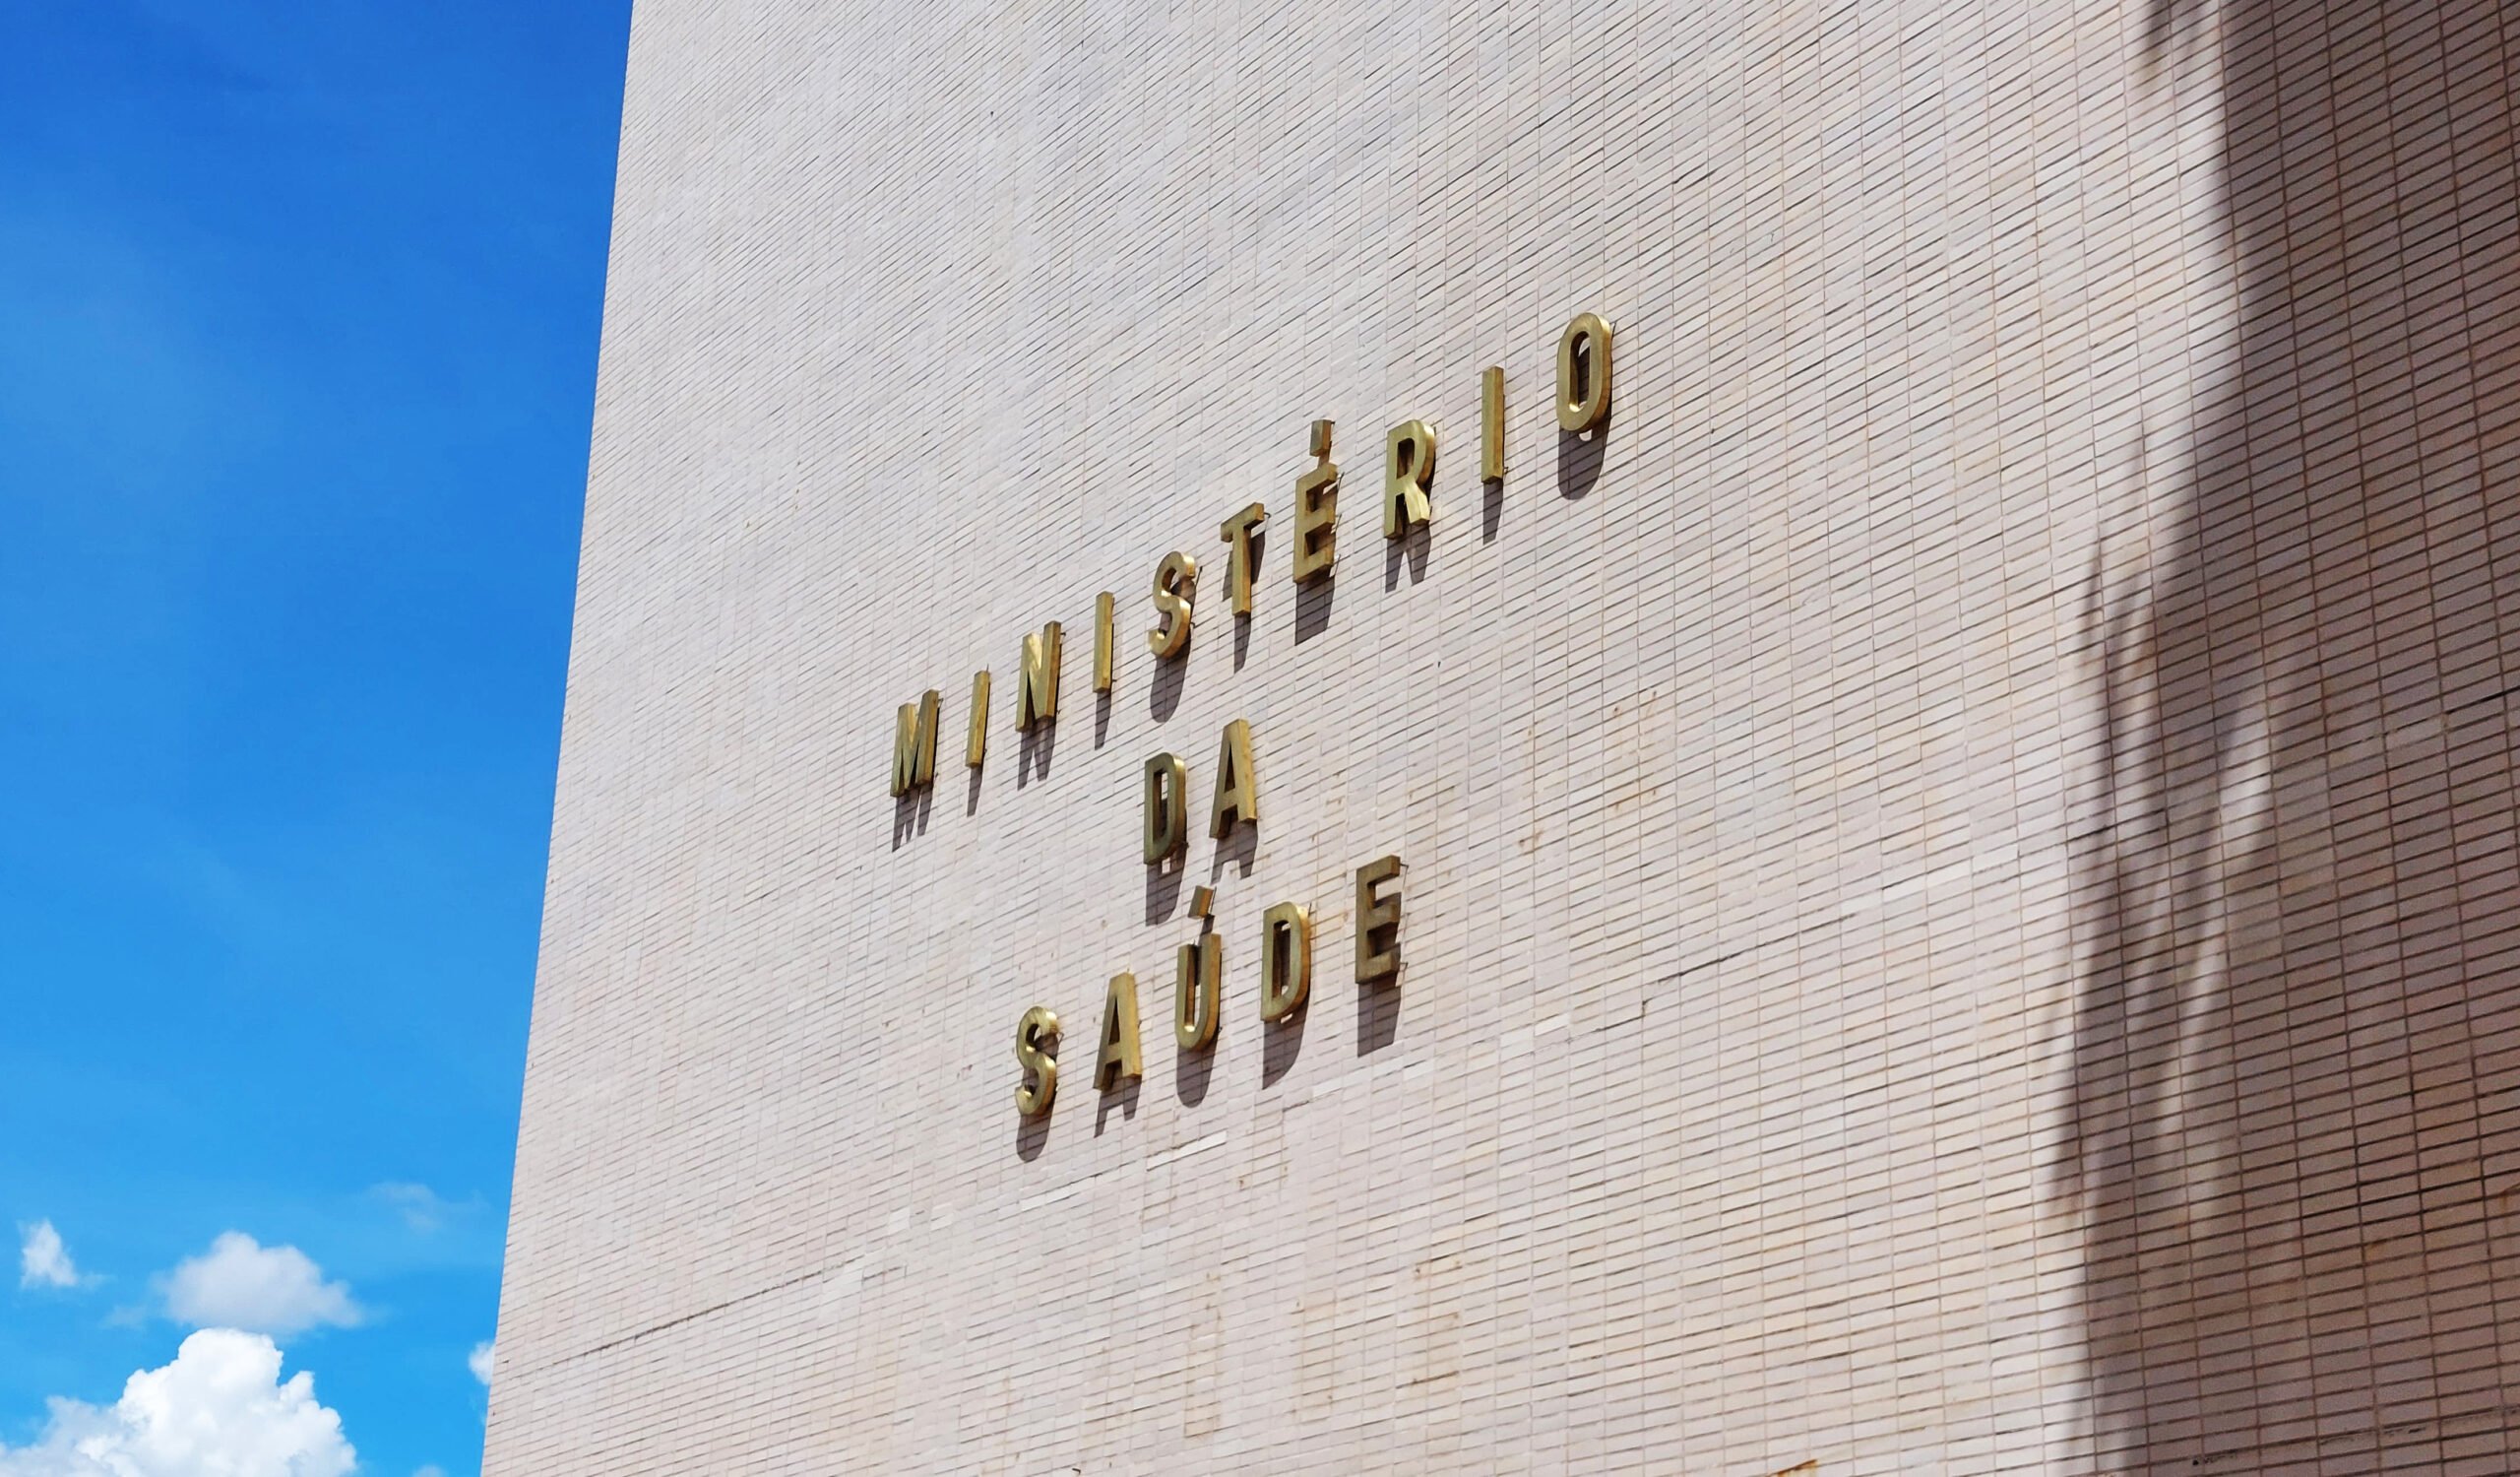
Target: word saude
1583,401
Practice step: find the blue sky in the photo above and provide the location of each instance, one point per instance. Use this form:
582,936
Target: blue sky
298,315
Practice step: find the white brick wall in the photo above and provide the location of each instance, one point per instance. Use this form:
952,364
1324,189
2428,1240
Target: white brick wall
1763,1053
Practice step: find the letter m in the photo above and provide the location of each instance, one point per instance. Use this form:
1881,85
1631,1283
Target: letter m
915,744
1037,696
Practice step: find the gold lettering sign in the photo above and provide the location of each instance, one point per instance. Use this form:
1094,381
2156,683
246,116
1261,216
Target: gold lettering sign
1377,921
1037,691
975,742
1117,1058
1167,808
1582,405
1176,581
1036,1059
1285,961
1317,511
1236,533
1409,471
1584,374
1491,425
1198,990
915,744
1102,642
1238,796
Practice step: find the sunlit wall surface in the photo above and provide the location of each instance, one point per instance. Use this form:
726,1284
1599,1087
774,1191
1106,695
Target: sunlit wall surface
1958,882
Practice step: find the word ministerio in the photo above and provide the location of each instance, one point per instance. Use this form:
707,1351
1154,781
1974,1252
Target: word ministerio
1285,929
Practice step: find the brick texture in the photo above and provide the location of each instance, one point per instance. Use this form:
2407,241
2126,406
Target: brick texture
1962,910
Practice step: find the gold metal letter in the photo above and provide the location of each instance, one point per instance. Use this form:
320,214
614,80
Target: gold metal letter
976,747
1317,511
1409,469
1037,693
1037,1054
1286,960
1175,582
1102,642
1584,374
1377,921
1238,796
915,743
1238,570
1167,806
1198,985
1118,1056
1492,424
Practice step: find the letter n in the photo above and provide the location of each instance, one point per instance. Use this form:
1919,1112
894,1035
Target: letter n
1036,689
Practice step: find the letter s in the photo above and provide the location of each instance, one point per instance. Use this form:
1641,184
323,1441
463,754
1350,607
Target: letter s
1037,1052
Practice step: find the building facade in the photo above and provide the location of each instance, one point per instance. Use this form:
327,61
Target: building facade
1950,763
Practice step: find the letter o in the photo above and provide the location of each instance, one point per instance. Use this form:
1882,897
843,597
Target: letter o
1584,374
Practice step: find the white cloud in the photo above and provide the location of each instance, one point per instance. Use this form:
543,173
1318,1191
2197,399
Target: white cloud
219,1407
431,1470
479,1360
42,1260
421,1208
239,1283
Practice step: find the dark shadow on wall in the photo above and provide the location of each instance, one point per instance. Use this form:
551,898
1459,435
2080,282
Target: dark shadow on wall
1239,849
2296,1093
1313,603
1034,748
1163,691
1191,1072
1124,1095
1282,1044
909,814
1377,1017
1242,623
1578,460
1409,551
1032,1136
1164,886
